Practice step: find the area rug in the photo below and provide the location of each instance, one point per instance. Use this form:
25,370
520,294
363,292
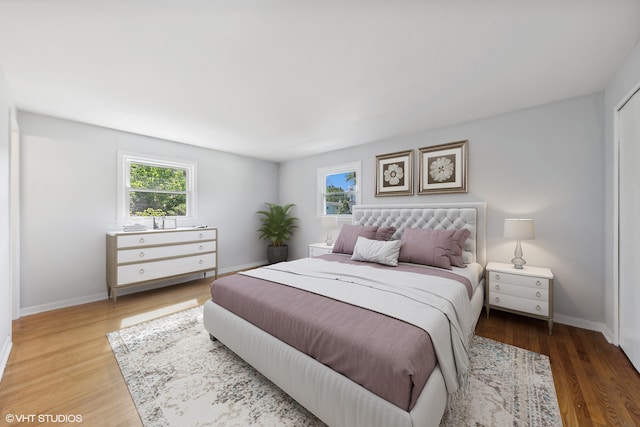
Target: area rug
178,377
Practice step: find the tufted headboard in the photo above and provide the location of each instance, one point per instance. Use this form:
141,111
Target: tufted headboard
438,216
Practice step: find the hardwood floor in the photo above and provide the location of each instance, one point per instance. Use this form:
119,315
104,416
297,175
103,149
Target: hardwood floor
62,365
61,362
595,382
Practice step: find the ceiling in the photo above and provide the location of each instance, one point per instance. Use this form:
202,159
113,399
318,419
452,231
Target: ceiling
281,79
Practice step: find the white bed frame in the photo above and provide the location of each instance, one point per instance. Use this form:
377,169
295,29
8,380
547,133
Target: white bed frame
332,397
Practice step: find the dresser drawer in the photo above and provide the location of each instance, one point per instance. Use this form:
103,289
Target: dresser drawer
164,238
520,291
525,305
518,280
140,272
151,253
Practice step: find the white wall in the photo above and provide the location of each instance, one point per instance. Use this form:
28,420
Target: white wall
626,79
544,163
69,196
6,293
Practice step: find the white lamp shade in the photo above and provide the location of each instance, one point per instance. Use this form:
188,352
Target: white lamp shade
329,222
520,229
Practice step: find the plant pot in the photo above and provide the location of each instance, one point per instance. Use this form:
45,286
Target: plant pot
277,253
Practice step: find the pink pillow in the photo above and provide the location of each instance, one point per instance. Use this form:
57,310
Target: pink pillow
385,233
348,236
459,237
428,247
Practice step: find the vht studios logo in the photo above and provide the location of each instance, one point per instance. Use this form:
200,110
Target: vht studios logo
43,418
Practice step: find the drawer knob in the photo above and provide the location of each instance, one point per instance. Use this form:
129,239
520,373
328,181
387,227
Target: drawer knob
141,271
142,240
201,235
201,247
538,294
538,307
141,254
497,277
200,262
497,287
538,283
497,299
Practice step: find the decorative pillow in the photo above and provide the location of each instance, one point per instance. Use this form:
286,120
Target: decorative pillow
459,237
349,234
379,251
385,233
428,247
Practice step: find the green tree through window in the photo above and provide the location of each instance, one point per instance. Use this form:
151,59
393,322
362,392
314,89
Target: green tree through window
157,190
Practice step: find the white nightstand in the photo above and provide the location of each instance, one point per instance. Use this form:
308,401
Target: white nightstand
528,291
316,249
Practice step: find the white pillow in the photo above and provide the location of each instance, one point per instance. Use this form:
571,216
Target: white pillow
377,251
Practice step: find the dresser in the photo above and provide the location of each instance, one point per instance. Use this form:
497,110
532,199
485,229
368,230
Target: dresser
143,257
316,249
527,292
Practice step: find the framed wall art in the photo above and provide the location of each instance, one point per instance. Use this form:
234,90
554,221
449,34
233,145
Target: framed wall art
443,168
394,174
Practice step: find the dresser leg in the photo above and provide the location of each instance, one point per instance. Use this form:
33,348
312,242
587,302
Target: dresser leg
487,308
550,326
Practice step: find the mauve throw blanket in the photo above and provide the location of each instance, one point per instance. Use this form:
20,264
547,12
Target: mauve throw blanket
387,356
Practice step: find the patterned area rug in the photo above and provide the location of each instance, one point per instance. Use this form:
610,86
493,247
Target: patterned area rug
178,377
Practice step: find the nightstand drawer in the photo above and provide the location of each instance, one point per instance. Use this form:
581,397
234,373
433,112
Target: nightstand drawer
525,305
317,249
518,280
520,291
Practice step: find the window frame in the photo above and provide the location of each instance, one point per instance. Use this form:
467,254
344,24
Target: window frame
125,159
334,170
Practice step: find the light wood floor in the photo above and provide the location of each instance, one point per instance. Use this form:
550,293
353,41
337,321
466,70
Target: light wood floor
62,364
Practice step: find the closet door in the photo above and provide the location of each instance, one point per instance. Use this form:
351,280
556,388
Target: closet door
629,229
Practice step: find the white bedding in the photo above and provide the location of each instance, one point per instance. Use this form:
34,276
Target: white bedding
438,305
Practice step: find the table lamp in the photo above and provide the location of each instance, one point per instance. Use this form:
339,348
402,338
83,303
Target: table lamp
329,223
519,229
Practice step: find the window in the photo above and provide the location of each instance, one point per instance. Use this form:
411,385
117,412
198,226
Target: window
338,189
156,187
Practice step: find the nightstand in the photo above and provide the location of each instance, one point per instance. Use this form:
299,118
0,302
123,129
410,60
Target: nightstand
316,249
528,291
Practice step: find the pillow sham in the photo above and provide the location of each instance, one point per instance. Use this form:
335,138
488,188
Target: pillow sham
378,251
426,246
385,233
457,244
348,236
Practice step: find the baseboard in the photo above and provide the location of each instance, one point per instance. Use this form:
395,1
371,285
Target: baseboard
4,356
584,324
26,311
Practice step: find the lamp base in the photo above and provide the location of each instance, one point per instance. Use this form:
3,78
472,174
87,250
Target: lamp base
518,263
329,240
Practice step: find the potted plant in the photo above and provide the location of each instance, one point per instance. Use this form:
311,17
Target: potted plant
277,227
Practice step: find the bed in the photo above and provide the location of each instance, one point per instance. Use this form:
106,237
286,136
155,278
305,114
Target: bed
310,365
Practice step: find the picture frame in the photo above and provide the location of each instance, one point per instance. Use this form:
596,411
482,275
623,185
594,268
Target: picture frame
443,168
170,224
394,174
158,223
